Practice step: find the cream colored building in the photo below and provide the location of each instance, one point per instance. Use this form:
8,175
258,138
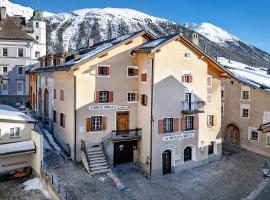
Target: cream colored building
151,101
20,146
246,111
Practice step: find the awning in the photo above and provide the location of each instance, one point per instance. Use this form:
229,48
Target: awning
17,148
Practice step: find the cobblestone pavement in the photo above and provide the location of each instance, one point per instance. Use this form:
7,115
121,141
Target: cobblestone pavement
232,178
13,190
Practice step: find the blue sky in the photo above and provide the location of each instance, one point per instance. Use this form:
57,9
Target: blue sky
247,19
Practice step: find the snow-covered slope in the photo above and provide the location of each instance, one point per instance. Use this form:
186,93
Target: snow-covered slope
16,9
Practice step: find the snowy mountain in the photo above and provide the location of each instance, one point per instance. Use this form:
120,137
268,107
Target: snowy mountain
67,30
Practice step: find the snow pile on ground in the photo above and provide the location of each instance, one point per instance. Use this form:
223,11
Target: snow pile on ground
51,140
36,184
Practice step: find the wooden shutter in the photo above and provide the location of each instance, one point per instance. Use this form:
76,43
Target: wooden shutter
88,124
54,93
137,97
176,125
145,100
56,117
196,122
190,78
136,72
160,126
99,70
107,71
214,120
104,123
144,77
97,97
183,124
110,96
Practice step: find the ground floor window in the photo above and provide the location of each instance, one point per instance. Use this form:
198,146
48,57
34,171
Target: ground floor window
96,123
268,140
253,134
15,132
211,148
187,154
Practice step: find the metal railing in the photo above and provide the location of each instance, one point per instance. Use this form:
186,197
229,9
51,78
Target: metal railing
132,134
193,106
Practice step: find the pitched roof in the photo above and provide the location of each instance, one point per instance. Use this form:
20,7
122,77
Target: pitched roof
10,31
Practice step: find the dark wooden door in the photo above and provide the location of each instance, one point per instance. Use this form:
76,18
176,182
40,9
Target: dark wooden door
233,134
166,162
123,152
187,154
122,122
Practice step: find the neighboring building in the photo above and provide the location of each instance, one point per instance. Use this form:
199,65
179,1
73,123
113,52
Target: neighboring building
245,107
21,148
21,44
146,100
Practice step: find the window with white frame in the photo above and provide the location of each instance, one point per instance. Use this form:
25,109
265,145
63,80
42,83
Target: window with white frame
20,87
5,52
187,55
189,123
245,93
132,71
15,132
168,125
266,117
20,52
244,110
209,81
222,92
103,70
20,70
4,87
210,120
209,98
96,123
103,96
132,96
4,70
253,134
268,140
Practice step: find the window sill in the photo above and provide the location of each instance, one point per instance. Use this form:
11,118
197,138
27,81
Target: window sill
132,101
192,130
17,137
253,140
132,77
99,76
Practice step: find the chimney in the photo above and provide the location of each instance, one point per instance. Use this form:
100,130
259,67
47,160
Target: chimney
79,46
90,42
195,39
3,13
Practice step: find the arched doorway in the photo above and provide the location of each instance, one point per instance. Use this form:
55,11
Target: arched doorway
46,102
233,134
167,162
40,100
187,154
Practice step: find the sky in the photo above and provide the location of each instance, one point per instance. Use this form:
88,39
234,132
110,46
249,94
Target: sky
246,19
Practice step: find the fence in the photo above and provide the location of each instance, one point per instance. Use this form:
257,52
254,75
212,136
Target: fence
64,195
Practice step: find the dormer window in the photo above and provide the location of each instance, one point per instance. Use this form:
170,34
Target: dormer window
187,55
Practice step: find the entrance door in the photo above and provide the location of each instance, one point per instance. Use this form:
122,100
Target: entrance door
233,134
123,152
166,162
122,122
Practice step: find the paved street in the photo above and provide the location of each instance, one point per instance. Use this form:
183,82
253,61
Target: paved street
233,178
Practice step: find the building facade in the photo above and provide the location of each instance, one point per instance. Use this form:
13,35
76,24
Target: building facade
21,148
146,100
21,44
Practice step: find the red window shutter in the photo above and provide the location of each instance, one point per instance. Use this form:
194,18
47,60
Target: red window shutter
54,93
183,124
56,117
215,120
196,122
136,72
145,100
190,78
103,123
88,124
176,125
64,121
99,70
107,71
160,126
110,96
144,77
97,97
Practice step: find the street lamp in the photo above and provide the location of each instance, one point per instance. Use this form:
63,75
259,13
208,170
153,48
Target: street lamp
265,170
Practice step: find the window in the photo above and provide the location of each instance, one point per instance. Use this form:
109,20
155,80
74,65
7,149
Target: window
222,92
187,55
132,96
103,96
189,122
168,125
245,93
55,116
20,52
4,88
96,123
209,98
5,52
268,140
20,70
20,87
4,70
144,76
211,148
209,81
54,94
37,54
103,71
253,134
132,71
37,37
222,108
187,78
62,95
210,120
144,99
62,120
187,154
244,110
37,24
15,132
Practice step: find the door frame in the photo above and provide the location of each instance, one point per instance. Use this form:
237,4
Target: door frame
172,149
163,162
117,111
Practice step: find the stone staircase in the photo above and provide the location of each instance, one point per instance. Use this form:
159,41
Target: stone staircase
97,160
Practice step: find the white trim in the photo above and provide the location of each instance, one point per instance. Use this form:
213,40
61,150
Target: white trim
95,132
136,94
244,106
245,88
171,148
250,129
267,145
23,87
135,67
103,66
209,95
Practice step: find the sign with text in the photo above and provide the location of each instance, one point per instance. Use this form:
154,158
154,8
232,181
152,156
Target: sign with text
107,107
178,137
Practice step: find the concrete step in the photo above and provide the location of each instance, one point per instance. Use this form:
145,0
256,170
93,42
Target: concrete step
96,156
99,164
94,152
94,149
99,171
98,168
97,161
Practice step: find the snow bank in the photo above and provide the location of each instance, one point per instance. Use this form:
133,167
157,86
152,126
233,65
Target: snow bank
15,147
11,113
36,184
51,140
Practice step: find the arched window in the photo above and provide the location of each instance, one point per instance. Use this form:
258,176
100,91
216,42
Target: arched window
211,148
187,154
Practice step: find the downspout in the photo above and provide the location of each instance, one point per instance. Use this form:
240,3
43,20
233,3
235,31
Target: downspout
75,121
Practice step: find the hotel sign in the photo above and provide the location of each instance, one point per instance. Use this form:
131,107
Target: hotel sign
107,107
178,137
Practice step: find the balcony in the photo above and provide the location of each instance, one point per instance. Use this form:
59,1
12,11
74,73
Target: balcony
127,135
193,107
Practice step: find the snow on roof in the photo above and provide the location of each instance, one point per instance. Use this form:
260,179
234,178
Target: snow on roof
17,147
13,114
252,76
